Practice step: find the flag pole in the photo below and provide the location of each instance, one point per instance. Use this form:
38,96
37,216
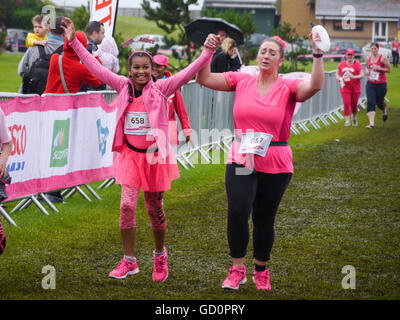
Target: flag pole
115,18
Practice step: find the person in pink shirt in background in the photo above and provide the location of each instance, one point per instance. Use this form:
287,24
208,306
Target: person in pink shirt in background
175,102
348,73
260,164
146,160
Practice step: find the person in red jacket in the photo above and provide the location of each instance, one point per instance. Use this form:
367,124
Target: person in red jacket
175,102
75,73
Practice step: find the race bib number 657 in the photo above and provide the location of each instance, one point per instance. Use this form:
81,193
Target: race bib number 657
255,142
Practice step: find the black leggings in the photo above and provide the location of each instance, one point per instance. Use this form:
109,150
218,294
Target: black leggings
259,193
375,95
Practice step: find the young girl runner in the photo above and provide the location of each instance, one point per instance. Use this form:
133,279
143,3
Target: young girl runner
146,160
262,111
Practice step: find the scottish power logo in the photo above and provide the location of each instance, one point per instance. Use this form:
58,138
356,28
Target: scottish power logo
59,147
102,131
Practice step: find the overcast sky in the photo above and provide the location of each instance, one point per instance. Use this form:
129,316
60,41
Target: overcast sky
121,3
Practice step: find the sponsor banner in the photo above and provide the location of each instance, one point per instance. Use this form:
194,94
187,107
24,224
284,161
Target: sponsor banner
104,11
58,142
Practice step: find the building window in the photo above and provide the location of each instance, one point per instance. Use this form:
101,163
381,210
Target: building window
379,31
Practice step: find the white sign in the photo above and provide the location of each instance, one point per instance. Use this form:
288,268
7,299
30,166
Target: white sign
104,11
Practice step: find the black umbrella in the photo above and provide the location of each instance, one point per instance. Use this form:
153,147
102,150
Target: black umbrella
198,30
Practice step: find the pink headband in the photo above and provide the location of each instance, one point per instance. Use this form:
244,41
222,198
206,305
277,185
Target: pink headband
283,43
147,53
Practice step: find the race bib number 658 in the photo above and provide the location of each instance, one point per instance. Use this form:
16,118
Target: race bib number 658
137,123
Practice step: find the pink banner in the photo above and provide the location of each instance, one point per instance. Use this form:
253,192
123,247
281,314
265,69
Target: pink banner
58,142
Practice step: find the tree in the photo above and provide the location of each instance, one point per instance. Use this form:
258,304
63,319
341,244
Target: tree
172,16
294,48
80,17
19,13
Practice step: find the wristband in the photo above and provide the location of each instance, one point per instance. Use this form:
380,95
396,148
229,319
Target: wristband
317,55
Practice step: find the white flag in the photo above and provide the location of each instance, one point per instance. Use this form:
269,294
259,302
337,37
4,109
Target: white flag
104,11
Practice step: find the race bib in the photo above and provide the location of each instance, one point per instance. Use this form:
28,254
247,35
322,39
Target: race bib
137,123
374,75
255,142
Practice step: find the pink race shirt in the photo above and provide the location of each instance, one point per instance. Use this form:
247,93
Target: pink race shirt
271,113
350,85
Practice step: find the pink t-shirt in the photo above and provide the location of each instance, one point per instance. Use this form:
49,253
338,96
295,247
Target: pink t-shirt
271,113
350,85
4,133
137,114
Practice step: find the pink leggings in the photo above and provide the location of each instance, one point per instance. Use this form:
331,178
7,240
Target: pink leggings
154,208
350,100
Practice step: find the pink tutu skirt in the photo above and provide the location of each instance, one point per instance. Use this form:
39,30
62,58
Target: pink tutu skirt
146,171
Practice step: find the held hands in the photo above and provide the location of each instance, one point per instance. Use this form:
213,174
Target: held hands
212,42
69,29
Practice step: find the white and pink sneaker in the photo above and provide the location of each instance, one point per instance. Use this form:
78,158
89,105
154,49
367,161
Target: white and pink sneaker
124,269
160,267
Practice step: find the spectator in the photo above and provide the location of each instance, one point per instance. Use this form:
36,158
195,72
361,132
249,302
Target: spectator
349,73
377,67
225,60
95,34
237,62
108,54
75,73
38,37
395,51
54,43
175,102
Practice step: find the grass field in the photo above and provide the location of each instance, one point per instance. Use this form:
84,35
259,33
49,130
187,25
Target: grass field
341,208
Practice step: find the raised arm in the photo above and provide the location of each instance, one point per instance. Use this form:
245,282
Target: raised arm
215,81
94,66
307,89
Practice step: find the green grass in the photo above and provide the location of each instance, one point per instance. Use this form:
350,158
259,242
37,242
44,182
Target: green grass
130,27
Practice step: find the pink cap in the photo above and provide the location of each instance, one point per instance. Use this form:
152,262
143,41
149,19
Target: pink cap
350,51
161,60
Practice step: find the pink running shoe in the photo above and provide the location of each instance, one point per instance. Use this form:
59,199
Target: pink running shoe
236,276
160,267
261,279
124,269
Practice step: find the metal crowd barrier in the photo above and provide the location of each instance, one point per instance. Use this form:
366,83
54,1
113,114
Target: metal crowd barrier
211,118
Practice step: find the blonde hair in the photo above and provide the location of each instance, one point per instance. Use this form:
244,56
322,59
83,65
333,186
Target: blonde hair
228,44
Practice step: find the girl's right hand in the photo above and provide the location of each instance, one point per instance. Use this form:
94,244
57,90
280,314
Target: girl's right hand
69,29
212,42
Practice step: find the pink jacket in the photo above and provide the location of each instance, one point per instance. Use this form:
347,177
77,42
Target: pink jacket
155,95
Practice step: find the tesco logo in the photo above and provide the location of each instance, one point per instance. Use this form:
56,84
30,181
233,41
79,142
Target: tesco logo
18,136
